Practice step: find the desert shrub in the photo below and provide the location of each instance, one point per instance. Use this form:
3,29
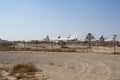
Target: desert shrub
64,46
25,68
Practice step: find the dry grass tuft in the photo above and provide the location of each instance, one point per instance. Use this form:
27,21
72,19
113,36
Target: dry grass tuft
25,68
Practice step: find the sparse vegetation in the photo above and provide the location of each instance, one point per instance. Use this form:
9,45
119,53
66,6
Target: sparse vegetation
81,47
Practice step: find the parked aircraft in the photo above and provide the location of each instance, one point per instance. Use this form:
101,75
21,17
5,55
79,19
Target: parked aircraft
4,41
113,38
69,38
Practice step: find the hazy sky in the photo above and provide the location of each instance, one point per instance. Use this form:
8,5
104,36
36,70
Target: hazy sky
34,19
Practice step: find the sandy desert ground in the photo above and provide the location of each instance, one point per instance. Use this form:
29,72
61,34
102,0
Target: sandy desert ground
69,66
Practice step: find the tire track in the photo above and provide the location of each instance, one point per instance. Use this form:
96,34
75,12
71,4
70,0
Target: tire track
80,69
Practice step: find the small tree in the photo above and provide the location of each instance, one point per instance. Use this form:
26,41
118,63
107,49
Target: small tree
88,38
102,40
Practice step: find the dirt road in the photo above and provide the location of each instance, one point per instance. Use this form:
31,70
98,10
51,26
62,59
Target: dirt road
69,66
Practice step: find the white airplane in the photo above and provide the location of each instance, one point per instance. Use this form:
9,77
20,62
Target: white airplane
69,38
113,38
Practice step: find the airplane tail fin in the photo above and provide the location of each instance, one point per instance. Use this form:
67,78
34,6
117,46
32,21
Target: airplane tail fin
46,39
114,37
